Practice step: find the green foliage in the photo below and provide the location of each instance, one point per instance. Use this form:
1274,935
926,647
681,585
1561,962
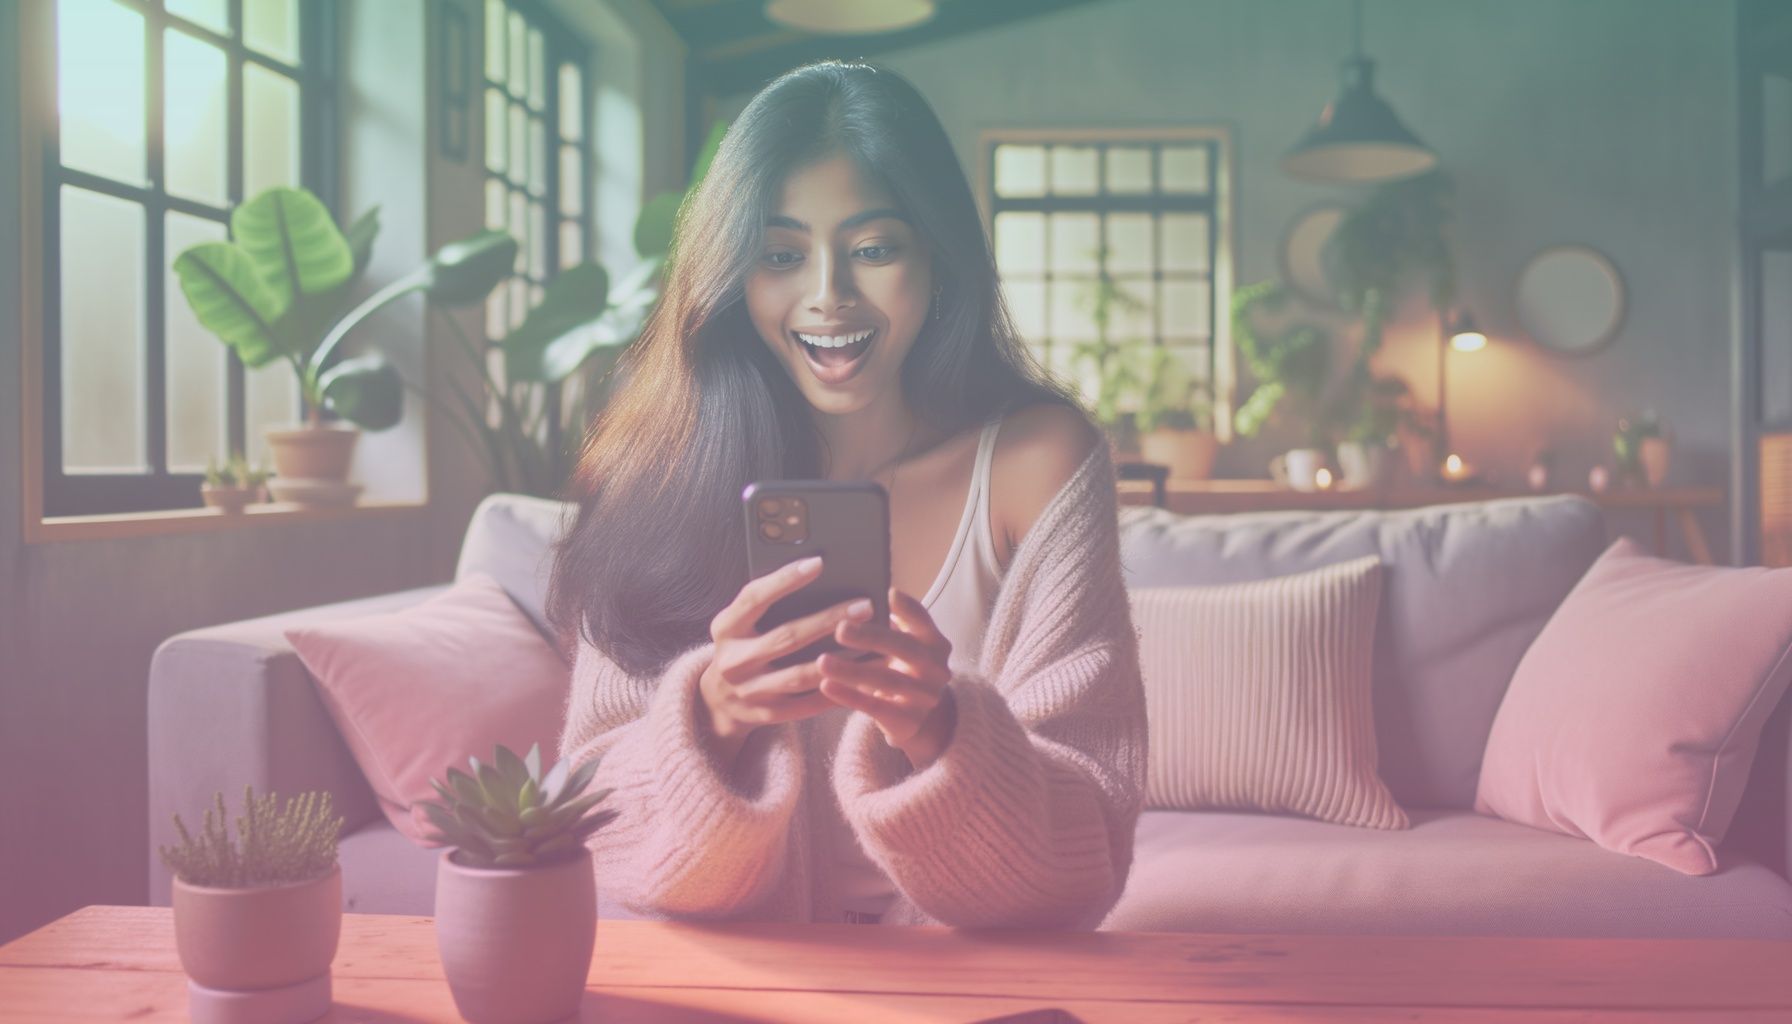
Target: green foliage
279,845
1133,370
1172,398
1398,231
1627,443
235,473
1290,367
505,814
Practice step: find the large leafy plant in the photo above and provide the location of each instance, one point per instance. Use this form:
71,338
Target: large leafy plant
280,287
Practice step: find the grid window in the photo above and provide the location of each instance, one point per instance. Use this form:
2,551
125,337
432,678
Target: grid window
168,114
1141,215
537,173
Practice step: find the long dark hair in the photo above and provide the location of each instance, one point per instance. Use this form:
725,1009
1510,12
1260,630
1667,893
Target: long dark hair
702,407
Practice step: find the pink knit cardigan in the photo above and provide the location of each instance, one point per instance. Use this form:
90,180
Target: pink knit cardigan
1026,819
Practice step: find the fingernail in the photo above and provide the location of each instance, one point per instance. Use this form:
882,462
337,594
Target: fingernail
807,564
860,609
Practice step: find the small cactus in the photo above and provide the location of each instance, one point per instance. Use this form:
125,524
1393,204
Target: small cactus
280,845
506,815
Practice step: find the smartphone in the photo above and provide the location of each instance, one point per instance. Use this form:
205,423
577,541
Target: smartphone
847,523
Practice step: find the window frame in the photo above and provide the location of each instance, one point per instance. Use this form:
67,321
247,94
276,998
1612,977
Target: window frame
1219,203
67,494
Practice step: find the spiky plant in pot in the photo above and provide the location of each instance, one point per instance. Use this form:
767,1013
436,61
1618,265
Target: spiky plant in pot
507,815
281,844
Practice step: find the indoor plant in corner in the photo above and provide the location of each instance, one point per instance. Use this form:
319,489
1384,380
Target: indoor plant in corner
1175,419
516,903
257,924
278,290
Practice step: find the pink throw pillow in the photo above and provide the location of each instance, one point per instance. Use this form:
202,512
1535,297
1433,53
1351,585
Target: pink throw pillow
1634,716
419,690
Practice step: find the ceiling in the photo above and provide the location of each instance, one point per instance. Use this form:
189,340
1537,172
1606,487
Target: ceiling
735,48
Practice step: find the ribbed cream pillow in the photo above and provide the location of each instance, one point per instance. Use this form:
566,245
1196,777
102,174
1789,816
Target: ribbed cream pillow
1258,696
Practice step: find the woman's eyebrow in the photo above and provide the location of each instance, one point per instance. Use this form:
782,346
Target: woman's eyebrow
781,221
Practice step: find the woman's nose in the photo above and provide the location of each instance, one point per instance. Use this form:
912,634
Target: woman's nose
832,282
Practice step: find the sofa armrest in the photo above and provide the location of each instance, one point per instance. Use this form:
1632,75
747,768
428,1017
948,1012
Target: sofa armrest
233,706
1762,828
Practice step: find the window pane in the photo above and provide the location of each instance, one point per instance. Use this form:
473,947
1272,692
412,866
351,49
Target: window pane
495,315
197,362
195,104
538,72
519,301
496,131
1072,299
1073,242
1026,302
1776,335
1073,170
572,244
571,181
519,62
1020,170
272,27
518,224
1185,169
519,160
1776,129
572,103
494,204
209,13
270,130
1020,243
538,156
1129,311
99,85
102,343
1129,170
494,40
538,240
1129,243
1193,362
271,399
1185,242
1188,309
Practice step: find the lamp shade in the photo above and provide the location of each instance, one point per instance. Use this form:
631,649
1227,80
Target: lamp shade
849,17
1465,334
1359,139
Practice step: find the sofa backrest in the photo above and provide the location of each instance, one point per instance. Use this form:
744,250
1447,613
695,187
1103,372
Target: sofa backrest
511,537
1467,588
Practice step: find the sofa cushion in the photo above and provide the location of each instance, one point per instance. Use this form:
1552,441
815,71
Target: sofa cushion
1466,588
1259,695
1452,873
1634,718
419,690
510,538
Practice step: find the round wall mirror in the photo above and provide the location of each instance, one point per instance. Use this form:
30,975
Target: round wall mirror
1303,253
1570,299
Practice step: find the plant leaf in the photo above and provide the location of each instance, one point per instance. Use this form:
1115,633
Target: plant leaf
463,273
293,242
574,299
366,390
229,299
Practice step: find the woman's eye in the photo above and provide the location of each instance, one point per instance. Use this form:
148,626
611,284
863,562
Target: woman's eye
772,258
877,253
883,251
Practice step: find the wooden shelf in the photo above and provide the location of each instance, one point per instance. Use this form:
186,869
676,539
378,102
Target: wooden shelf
207,520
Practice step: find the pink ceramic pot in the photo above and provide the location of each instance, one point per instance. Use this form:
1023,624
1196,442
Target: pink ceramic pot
516,942
313,453
244,939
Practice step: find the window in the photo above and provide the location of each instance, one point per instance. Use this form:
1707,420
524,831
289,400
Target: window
1147,213
537,167
170,112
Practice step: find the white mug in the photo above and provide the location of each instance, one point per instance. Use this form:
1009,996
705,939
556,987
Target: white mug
1298,468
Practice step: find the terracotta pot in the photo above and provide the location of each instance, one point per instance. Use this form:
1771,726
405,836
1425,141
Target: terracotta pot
1365,466
1188,453
264,938
230,499
1654,454
516,942
313,453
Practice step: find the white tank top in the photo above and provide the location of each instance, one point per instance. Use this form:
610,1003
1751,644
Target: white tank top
959,603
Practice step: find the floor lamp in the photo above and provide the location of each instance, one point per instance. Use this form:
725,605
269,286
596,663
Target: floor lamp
1457,331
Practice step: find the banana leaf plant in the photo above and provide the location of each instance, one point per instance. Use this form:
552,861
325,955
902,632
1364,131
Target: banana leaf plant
582,326
279,289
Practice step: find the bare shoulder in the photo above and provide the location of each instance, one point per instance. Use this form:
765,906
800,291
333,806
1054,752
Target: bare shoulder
1037,450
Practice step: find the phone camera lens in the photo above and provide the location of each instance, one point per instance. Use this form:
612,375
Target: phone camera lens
771,531
768,507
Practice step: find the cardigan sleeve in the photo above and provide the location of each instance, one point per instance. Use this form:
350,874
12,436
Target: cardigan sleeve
689,841
1010,826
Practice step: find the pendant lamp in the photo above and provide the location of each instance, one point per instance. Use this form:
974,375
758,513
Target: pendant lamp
1359,139
850,17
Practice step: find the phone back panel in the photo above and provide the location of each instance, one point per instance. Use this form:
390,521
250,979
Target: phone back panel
848,524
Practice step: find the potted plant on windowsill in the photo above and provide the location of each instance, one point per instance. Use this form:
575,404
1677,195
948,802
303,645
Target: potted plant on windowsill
257,923
278,290
516,902
1175,419
234,485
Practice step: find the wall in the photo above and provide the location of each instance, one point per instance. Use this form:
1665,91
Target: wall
1605,122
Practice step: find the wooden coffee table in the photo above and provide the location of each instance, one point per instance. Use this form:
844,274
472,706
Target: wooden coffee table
118,963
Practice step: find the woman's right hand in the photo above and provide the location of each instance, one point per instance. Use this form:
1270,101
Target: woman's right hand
738,690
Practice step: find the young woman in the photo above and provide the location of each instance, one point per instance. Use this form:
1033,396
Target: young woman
832,311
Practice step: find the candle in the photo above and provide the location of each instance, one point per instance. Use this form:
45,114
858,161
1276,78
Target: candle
1456,469
1322,477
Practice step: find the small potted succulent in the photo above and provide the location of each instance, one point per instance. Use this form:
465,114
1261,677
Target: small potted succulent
233,485
516,903
256,922
1643,447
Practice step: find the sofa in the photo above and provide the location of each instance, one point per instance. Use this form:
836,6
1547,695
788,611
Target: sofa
1467,587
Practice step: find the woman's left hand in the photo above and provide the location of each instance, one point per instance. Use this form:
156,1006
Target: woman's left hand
906,691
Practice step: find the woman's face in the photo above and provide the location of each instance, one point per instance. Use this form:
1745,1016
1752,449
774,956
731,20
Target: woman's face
839,260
